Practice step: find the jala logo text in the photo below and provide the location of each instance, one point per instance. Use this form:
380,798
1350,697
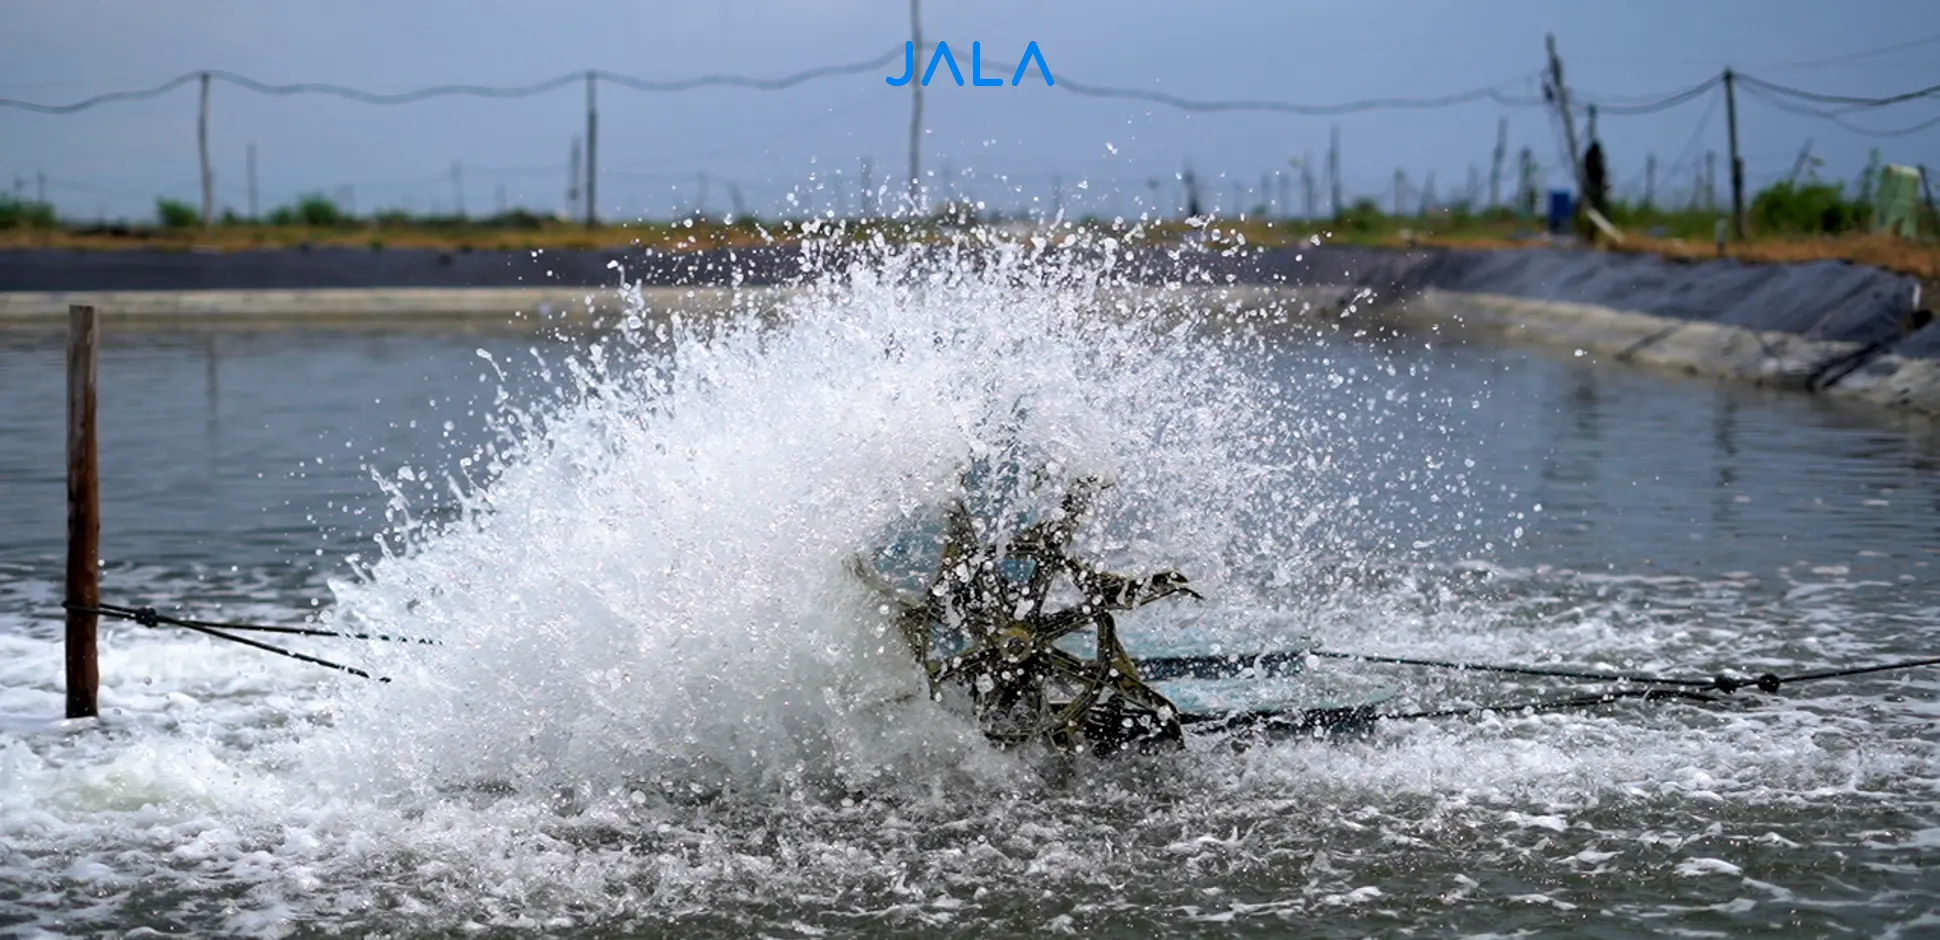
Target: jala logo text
942,56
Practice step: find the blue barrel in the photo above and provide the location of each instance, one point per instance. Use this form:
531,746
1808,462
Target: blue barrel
1561,210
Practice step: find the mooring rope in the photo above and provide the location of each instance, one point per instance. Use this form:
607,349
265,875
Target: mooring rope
150,617
1659,688
1767,682
1353,717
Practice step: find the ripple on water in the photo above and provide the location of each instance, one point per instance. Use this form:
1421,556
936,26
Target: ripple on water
662,705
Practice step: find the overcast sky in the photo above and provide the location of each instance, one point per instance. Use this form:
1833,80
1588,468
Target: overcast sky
114,160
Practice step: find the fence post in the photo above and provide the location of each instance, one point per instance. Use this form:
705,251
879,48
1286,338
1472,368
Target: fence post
83,512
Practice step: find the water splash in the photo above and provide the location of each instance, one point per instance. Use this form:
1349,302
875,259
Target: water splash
653,588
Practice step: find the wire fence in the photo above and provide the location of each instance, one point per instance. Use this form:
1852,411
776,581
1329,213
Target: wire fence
860,190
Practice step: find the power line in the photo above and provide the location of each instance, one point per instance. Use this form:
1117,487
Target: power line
87,103
1688,156
405,97
743,81
1604,106
477,91
1926,92
1856,56
1492,93
1795,108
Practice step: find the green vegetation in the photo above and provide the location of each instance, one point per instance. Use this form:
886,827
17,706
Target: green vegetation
22,213
176,214
1805,209
1788,221
314,211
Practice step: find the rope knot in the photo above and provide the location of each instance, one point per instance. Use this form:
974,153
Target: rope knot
147,617
1765,683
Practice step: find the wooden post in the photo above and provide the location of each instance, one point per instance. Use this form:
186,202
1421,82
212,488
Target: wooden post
254,214
1737,162
202,144
915,108
1308,206
83,512
1333,170
1561,94
1926,189
574,164
592,154
1495,165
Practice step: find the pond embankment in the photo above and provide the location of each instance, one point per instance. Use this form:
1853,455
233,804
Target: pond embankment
1826,327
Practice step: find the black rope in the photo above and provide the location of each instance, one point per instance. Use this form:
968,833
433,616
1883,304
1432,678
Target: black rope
1721,682
1352,718
1220,666
149,617
1347,718
1589,700
1767,682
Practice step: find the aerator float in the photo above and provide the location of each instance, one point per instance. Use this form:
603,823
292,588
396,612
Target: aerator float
974,601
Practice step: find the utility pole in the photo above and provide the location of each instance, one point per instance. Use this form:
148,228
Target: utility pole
1926,191
572,180
592,151
1400,186
1737,161
1650,181
1804,160
40,186
700,195
1495,166
1711,180
734,197
916,108
254,215
1307,186
1526,173
202,146
1561,95
458,189
1428,194
1333,169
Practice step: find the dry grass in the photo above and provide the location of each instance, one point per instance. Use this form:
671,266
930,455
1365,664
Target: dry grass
274,238
1918,258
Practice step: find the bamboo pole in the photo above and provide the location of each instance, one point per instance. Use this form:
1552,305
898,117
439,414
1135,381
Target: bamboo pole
83,512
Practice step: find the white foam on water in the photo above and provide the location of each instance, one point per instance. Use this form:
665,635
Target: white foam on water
660,695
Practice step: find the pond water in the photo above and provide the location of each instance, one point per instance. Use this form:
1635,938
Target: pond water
660,707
